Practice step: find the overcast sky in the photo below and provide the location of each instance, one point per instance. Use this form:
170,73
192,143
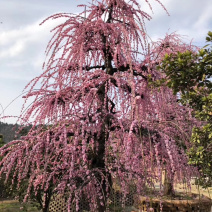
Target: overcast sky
23,40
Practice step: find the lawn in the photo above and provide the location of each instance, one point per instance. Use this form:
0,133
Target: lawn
15,206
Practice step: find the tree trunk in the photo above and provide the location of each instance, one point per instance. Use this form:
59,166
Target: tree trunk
99,160
168,185
45,208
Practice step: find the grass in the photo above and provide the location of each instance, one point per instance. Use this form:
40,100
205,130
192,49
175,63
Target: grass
195,189
15,206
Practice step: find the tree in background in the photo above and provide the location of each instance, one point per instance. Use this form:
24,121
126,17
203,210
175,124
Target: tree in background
8,130
1,140
189,74
102,119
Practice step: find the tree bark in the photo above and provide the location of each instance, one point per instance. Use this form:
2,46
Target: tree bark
45,208
168,185
99,160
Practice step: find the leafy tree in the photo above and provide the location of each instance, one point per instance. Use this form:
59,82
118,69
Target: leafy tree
190,73
102,118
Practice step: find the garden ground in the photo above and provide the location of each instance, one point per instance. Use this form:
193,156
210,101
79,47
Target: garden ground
15,206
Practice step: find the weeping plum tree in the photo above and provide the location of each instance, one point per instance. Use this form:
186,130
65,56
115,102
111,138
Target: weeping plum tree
95,115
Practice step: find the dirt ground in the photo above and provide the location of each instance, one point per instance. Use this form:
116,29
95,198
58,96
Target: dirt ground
195,189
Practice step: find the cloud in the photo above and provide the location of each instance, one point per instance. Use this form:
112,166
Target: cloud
191,18
23,40
25,46
22,53
21,13
205,18
12,51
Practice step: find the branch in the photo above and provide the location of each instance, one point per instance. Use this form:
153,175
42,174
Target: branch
93,67
121,22
110,14
87,68
126,68
126,88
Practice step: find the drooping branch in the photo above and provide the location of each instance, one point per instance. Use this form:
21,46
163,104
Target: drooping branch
126,87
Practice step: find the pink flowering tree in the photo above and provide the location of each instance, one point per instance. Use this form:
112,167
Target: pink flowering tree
96,115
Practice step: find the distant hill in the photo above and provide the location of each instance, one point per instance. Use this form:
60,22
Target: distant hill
8,131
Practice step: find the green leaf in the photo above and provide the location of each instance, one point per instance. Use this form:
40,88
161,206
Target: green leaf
210,33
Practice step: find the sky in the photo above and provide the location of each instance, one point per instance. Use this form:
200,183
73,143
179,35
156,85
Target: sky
23,40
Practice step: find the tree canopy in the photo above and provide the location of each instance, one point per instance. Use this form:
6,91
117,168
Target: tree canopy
95,115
